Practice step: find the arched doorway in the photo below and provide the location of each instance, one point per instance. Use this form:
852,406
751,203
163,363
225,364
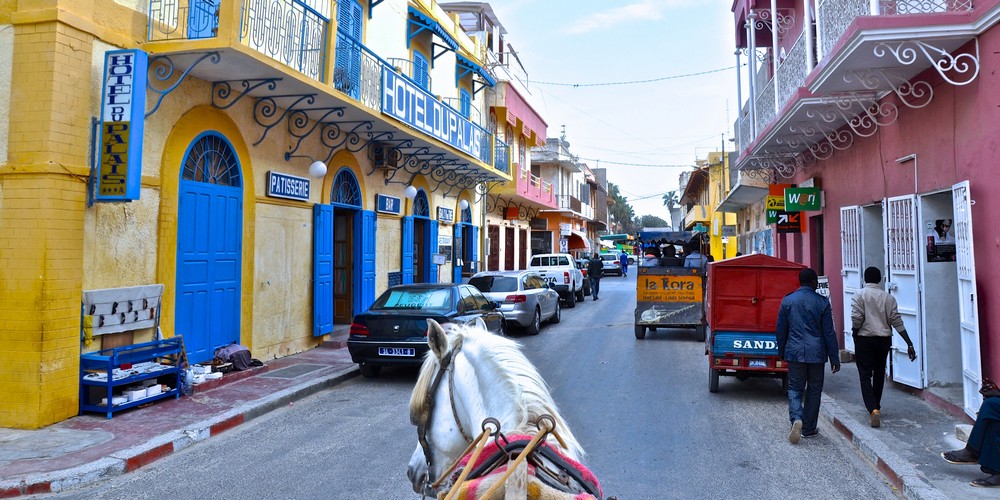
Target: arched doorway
346,200
209,247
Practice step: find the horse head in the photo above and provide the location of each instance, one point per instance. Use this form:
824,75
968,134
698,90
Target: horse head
470,375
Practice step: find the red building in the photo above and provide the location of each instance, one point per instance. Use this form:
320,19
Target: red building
886,107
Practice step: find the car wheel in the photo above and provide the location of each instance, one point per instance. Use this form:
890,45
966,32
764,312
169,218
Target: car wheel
700,333
713,380
536,323
571,300
556,316
369,371
640,332
579,295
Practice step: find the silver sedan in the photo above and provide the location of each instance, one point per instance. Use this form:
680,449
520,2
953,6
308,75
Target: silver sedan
525,298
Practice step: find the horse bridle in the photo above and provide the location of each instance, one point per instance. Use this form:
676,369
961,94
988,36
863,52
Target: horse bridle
424,425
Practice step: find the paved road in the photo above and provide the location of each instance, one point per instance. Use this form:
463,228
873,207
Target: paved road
640,407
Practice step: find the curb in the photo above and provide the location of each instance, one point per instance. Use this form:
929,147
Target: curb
136,457
900,473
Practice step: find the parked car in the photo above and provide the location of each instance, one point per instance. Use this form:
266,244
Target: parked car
559,270
581,264
393,331
526,300
611,265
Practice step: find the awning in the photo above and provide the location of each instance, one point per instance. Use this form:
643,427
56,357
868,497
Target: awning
425,21
742,196
578,241
470,66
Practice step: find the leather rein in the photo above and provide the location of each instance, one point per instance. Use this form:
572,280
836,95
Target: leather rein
423,427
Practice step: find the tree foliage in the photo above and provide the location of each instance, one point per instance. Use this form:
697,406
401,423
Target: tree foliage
670,200
652,221
621,213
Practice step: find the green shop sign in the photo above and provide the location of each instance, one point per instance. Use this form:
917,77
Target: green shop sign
802,199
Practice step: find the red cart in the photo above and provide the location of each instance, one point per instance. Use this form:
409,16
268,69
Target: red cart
742,299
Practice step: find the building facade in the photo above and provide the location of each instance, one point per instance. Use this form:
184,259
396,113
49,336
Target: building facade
878,107
275,165
568,227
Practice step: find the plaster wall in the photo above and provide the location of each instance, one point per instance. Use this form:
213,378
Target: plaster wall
6,67
951,145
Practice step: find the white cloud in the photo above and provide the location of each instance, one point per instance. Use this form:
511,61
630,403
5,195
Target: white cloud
644,10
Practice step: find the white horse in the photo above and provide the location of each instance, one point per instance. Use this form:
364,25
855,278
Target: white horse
468,376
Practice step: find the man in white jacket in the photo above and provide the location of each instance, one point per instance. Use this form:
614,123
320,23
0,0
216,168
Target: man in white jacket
873,316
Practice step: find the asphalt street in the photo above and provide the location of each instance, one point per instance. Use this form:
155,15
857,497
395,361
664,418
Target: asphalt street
641,409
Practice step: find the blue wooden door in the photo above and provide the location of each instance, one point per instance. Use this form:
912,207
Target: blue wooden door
322,269
203,18
430,248
406,262
364,232
457,254
209,247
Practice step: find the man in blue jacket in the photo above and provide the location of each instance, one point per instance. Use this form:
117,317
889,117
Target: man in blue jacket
806,340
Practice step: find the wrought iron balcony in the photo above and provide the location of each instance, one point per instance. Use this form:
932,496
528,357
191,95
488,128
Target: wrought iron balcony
501,156
292,32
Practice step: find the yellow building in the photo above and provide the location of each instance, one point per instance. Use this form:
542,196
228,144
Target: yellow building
707,187
273,181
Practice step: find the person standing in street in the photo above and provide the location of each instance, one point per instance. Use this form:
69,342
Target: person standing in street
623,258
873,316
806,340
595,270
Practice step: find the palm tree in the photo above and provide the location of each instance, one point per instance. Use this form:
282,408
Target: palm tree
670,200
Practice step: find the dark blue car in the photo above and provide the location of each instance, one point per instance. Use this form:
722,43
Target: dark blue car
393,331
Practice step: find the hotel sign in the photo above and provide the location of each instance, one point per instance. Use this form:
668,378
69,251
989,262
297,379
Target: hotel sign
123,114
287,186
407,102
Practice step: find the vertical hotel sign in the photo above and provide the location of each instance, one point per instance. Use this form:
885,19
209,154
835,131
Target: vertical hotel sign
123,108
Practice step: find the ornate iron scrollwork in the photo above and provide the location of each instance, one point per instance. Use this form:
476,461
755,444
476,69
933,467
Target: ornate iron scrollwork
222,91
161,69
965,65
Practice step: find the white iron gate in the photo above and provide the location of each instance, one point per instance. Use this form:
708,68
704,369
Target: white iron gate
903,283
850,235
967,298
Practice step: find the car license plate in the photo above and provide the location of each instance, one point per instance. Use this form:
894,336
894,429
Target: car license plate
397,351
758,363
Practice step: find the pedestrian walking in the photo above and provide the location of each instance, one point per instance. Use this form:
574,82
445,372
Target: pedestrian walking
874,315
806,340
595,270
624,261
983,446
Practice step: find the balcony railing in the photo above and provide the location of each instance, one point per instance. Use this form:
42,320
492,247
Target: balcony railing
358,72
501,156
292,32
533,187
765,106
698,213
792,71
567,202
474,114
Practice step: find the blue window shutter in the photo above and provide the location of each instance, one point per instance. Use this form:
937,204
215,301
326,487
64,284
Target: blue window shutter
474,249
322,269
366,235
407,257
432,245
420,70
465,103
456,251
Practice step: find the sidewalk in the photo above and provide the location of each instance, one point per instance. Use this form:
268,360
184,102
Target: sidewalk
90,448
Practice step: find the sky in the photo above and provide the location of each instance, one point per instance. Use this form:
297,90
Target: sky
580,56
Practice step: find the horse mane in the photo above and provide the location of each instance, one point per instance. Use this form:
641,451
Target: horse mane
503,368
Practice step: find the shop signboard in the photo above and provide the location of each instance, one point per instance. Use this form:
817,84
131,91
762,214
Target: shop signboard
287,186
123,116
445,215
388,204
789,222
802,199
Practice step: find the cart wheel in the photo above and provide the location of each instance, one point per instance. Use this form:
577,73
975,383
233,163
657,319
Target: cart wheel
640,332
784,383
713,381
699,333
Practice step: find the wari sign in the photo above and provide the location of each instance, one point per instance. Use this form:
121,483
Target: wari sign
789,222
287,186
404,100
388,204
123,115
799,199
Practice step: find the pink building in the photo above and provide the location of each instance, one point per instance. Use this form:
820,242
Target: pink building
888,107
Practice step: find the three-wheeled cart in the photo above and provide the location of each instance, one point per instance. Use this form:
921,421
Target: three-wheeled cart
743,295
669,297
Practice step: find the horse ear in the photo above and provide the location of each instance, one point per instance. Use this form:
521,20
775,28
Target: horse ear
436,338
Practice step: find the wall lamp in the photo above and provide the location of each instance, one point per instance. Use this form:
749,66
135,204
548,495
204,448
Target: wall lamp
462,205
317,169
410,192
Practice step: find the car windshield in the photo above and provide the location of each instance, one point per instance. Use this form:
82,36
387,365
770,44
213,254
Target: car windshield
487,284
433,299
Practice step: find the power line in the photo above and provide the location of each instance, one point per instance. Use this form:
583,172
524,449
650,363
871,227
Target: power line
656,165
633,82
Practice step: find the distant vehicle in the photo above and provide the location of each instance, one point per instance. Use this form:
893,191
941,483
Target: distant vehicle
559,269
611,264
581,264
526,300
393,331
